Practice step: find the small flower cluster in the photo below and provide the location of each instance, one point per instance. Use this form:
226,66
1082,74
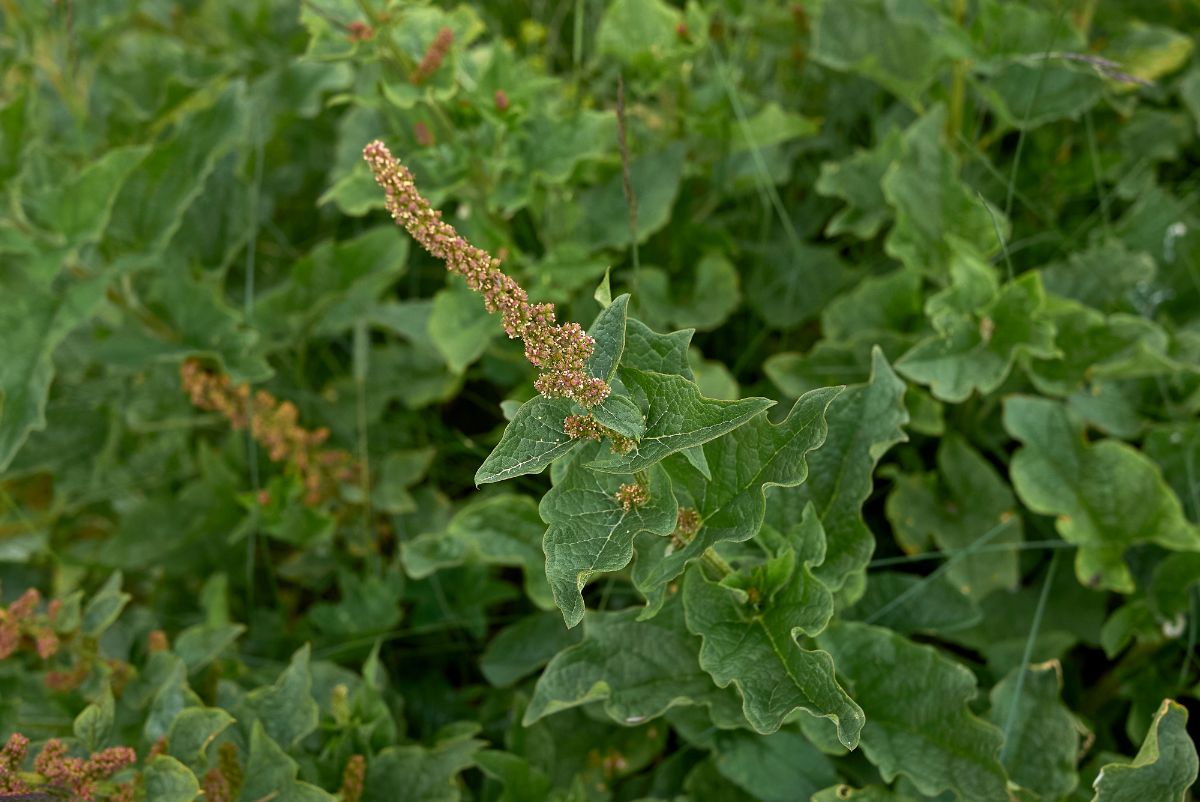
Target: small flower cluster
20,624
560,352
632,495
359,31
75,775
583,427
353,778
274,425
687,524
434,56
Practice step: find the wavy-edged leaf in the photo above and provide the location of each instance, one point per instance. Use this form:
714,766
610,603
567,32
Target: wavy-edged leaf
1106,496
677,418
1165,766
1043,735
590,531
639,669
918,721
751,639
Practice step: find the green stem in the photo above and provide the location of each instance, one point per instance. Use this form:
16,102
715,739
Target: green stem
716,562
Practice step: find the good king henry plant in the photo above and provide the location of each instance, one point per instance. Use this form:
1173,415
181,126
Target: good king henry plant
643,466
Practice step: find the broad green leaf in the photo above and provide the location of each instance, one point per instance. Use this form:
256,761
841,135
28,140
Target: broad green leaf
590,531
201,644
1103,276
638,669
872,793
418,772
500,530
78,207
35,319
863,423
638,33
555,144
932,206
731,500
900,45
535,437
286,710
857,180
964,501
104,607
1106,496
604,214
460,327
168,780
791,284
94,724
271,773
1038,88
918,721
677,418
650,351
367,605
891,600
772,125
1042,744
1149,52
752,641
981,330
193,730
522,782
703,301
151,205
876,307
622,415
1165,766
532,440
523,647
780,767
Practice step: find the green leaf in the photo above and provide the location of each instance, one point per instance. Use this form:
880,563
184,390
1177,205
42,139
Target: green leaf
937,607
1165,766
638,33
168,780
193,730
655,178
652,352
794,283
901,46
522,782
981,330
201,644
1032,90
772,125
863,423
150,206
1103,276
523,647
933,207
754,644
952,509
705,301
639,669
286,710
1042,743
856,180
500,530
416,772
271,774
460,327
589,529
731,500
94,724
677,418
535,437
1106,496
103,609
780,767
918,721
622,415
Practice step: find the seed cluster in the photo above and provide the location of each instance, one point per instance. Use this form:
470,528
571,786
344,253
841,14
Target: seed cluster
274,425
20,623
632,495
353,778
434,56
75,775
560,352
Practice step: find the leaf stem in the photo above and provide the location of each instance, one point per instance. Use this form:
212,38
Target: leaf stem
716,562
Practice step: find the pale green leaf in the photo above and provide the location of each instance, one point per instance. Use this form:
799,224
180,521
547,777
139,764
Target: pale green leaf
1165,766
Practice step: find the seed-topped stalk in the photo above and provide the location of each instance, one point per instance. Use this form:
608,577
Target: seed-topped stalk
560,352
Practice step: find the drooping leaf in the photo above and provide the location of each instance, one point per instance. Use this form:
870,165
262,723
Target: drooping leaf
1106,496
1165,766
918,722
524,646
271,773
286,709
419,772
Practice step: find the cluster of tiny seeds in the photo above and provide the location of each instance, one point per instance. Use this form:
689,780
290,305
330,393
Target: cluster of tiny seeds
20,621
632,495
501,98
275,426
434,56
75,775
688,522
582,427
353,778
223,782
560,352
619,442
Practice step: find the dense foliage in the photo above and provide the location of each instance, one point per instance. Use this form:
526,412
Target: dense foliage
874,477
